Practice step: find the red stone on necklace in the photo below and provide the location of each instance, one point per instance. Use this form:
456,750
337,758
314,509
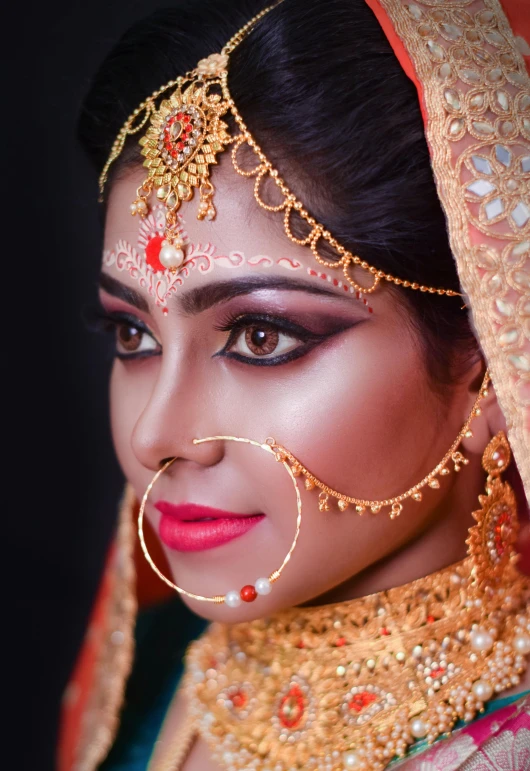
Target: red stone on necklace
292,707
361,700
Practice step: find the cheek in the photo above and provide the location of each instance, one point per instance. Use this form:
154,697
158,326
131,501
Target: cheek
360,416
129,394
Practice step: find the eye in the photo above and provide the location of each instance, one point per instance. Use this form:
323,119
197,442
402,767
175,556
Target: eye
133,339
262,340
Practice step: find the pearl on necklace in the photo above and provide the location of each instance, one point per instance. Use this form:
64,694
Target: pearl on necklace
481,640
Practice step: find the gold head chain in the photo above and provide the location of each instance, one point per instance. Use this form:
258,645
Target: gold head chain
186,133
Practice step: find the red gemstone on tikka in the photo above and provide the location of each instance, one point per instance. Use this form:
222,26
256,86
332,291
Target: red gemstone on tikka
430,619
188,127
180,115
361,700
438,672
384,631
181,145
239,699
291,709
340,641
152,252
186,118
248,593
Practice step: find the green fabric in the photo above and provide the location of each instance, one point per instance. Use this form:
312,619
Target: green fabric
162,635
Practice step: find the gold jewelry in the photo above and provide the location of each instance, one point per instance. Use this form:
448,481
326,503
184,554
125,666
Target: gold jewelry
492,540
395,504
353,685
249,592
180,146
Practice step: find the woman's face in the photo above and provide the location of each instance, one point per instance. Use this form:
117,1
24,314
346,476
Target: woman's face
252,341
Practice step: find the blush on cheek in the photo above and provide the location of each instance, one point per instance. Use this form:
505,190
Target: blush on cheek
364,423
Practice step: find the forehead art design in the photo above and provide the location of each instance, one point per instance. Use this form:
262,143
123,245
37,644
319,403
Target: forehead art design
142,262
186,133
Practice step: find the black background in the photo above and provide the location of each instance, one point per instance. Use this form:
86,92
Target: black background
62,474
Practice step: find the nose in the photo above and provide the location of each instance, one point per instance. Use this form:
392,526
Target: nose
179,410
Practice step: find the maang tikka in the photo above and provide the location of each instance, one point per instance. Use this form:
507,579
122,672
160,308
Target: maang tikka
185,134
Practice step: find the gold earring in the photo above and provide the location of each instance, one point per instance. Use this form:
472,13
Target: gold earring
249,592
453,455
492,540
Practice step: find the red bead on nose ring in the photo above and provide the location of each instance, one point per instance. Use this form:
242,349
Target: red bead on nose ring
248,593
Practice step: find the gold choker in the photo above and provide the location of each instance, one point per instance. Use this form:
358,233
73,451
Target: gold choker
353,685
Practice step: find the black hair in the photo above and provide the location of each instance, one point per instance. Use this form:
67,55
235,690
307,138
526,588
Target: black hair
323,93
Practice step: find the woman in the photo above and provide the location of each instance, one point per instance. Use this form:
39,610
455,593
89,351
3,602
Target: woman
286,289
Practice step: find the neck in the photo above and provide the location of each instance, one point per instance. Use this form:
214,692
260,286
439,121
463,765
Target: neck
441,542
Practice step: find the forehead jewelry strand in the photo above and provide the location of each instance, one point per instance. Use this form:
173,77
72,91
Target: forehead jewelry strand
183,138
249,592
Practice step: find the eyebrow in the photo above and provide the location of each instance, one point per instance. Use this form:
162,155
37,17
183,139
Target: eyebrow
123,292
199,299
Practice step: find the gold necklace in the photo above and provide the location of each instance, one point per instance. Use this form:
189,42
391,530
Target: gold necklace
354,685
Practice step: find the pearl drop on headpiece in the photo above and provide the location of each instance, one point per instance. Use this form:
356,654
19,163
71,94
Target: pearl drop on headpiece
170,257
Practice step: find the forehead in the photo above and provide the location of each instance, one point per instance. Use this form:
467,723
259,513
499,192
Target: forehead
240,225
242,236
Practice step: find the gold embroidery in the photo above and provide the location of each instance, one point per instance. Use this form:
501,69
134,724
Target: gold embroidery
352,685
477,99
101,718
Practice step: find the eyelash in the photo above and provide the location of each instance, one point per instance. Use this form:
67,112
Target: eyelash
108,323
236,326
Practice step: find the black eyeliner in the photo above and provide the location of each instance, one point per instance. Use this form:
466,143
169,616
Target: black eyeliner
107,322
243,320
235,325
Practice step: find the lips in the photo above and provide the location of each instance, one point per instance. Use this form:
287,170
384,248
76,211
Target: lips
188,527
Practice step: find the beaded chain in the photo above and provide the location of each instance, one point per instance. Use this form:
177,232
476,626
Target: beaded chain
180,145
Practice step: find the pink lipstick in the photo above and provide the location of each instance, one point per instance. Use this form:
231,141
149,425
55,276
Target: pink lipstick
190,527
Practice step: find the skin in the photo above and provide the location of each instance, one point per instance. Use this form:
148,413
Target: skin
357,408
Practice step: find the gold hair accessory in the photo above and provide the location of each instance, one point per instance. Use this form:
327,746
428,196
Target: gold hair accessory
249,592
181,144
453,455
354,685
